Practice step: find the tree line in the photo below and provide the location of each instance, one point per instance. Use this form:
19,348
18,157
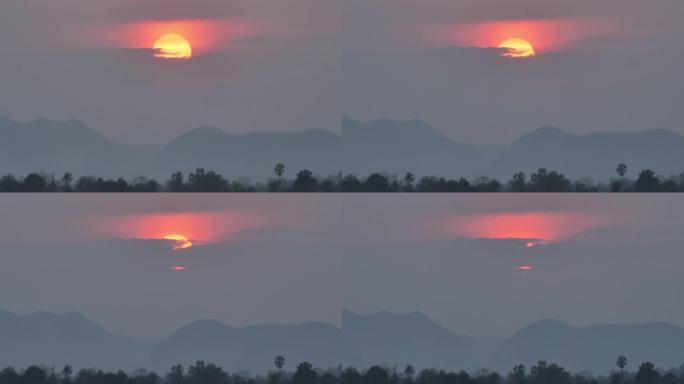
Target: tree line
202,180
306,373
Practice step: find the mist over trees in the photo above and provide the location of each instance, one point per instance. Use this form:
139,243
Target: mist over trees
306,373
305,181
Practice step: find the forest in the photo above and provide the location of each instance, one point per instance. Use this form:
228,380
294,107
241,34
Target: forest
306,181
305,373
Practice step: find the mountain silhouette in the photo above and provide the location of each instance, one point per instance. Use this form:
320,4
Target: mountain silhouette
51,339
362,341
383,145
401,339
56,147
249,155
594,347
250,348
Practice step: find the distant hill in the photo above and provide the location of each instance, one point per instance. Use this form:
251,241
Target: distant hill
250,348
378,146
593,155
401,146
251,155
393,339
595,347
55,147
50,339
362,341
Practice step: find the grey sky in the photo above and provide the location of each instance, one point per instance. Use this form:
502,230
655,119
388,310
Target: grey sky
604,66
297,258
302,64
269,67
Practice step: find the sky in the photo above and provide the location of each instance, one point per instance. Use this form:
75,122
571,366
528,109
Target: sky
257,65
479,265
264,65
600,65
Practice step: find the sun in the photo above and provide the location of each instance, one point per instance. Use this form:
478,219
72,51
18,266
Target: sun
178,241
172,46
517,48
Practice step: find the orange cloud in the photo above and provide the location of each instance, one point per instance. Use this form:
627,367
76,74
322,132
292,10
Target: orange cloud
544,226
196,227
205,35
544,34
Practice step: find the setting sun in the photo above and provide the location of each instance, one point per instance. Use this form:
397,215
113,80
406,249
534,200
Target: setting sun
172,46
517,48
178,241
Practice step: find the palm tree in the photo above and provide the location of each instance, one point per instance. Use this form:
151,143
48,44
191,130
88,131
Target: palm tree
279,170
409,371
67,371
279,362
621,363
409,179
622,171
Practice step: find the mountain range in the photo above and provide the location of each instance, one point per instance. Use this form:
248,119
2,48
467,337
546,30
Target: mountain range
361,341
362,148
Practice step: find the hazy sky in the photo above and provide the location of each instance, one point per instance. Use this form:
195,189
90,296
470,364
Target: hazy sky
290,259
258,65
301,64
600,65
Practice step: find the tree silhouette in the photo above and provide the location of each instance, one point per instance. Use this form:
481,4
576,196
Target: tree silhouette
305,182
622,171
621,362
279,170
279,362
376,183
409,179
35,183
647,374
67,371
409,371
176,183
305,374
647,182
177,375
377,375
67,179
517,376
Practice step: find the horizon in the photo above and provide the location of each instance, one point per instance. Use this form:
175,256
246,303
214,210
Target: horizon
310,68
340,133
340,325
462,188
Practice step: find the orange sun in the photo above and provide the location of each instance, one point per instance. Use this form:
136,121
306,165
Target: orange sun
178,241
517,48
172,46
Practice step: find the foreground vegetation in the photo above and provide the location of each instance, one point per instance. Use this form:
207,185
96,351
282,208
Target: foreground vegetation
305,181
305,373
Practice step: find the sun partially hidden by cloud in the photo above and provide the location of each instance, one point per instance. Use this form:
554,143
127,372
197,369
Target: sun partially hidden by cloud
177,38
517,48
536,228
178,241
185,229
172,46
543,35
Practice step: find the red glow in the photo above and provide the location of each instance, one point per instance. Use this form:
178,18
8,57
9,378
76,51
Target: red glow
544,35
205,36
178,268
541,227
185,228
525,268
